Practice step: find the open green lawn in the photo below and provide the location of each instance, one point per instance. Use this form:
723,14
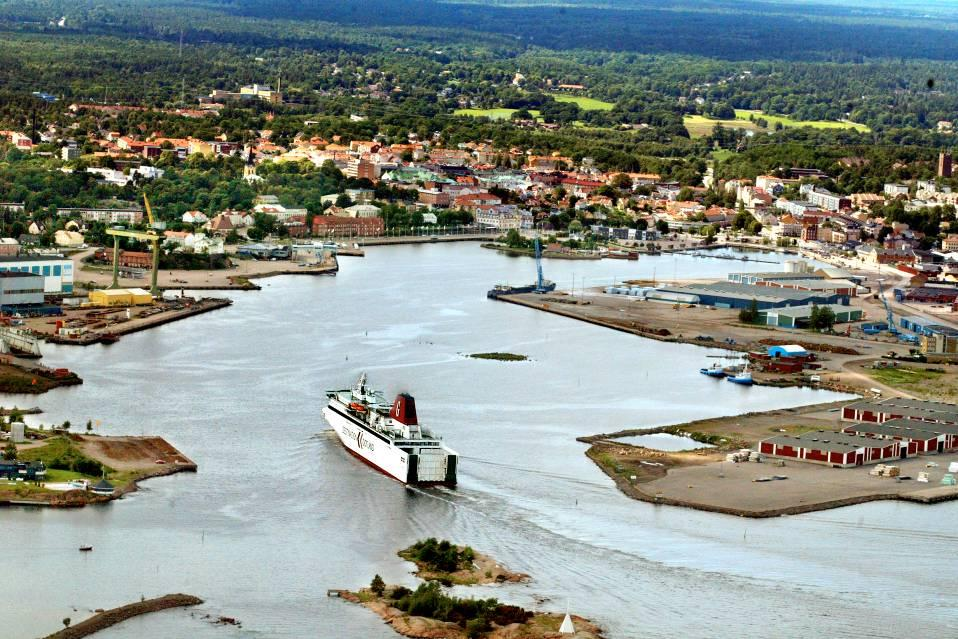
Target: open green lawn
586,104
699,125
743,114
923,382
722,154
56,475
495,114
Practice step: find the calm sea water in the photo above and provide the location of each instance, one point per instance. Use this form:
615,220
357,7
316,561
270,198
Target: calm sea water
279,513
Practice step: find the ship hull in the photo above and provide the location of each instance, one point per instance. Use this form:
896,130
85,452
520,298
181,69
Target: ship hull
379,453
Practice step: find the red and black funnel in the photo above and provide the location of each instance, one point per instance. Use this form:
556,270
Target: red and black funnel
404,409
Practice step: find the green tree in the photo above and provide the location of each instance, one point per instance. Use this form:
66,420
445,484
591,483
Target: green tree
822,318
749,315
377,585
662,226
10,451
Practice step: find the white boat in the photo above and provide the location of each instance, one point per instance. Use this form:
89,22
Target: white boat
388,437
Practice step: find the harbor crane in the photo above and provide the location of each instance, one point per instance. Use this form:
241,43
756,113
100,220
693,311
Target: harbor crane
892,329
152,236
540,284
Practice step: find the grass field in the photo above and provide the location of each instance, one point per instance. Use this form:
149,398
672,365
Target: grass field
722,154
743,114
586,104
495,114
700,126
923,382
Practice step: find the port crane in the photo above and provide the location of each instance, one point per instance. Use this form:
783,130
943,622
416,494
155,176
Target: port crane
888,314
152,236
540,284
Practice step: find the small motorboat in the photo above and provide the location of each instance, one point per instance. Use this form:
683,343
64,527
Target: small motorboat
715,370
86,548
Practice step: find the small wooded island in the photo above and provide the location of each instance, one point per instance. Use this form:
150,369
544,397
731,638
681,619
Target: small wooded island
430,612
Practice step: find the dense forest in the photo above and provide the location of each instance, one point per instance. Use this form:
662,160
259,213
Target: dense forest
407,66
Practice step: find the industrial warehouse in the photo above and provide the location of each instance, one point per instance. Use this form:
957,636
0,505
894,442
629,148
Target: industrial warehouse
840,450
879,411
732,295
888,429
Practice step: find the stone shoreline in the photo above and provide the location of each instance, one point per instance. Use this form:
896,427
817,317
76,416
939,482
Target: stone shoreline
107,618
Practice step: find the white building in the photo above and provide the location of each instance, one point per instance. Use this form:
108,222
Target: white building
363,210
195,217
894,190
57,271
109,216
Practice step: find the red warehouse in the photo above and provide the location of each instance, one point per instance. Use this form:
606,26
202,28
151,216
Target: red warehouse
916,437
839,450
900,408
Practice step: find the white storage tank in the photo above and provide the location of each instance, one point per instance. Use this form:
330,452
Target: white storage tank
18,432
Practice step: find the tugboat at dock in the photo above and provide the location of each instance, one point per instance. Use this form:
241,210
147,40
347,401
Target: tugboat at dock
388,437
715,370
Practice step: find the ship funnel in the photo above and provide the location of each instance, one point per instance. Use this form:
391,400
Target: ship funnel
404,409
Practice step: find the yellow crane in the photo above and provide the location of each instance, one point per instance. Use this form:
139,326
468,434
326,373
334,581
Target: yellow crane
152,236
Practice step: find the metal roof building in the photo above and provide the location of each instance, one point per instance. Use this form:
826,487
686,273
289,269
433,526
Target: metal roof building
840,450
797,316
771,276
916,437
881,411
731,295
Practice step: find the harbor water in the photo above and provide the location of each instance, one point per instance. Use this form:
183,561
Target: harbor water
279,513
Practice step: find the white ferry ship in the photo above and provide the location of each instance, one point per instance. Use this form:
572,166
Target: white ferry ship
388,437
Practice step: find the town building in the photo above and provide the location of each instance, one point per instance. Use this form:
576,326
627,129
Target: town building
824,198
9,246
895,190
329,225
56,270
105,215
